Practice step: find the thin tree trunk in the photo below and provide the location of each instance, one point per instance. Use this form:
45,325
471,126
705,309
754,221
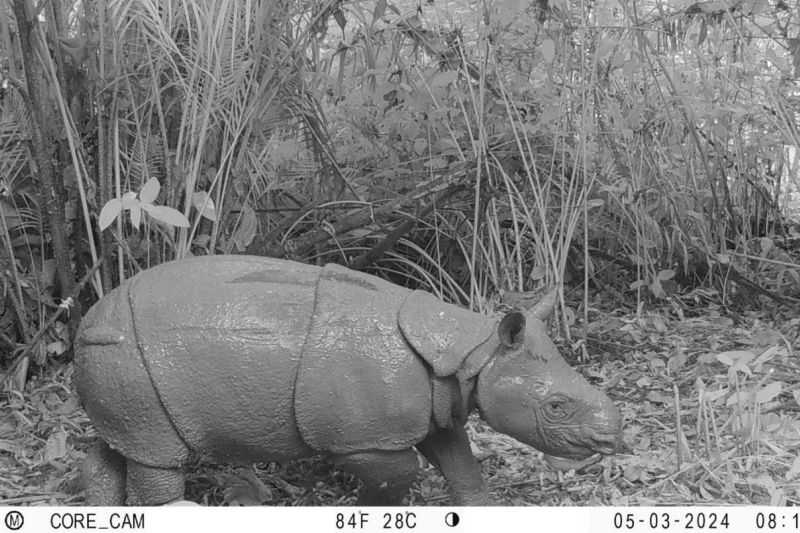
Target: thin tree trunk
43,147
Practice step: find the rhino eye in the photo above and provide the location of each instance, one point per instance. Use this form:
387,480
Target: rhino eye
557,408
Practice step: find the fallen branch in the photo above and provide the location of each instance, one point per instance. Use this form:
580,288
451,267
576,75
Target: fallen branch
306,242
374,253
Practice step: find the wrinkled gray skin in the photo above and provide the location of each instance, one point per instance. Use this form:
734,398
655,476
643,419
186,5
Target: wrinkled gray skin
242,359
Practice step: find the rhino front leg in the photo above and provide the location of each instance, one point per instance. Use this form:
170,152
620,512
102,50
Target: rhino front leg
148,485
103,476
387,476
449,450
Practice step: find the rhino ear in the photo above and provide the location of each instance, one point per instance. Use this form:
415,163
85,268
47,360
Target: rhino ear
511,329
442,334
544,307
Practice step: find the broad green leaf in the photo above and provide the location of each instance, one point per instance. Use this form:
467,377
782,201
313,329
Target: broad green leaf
246,230
664,275
168,215
109,213
338,16
637,284
136,214
769,392
204,205
735,357
149,191
380,9
129,200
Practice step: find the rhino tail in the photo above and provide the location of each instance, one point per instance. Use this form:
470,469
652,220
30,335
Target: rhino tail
102,336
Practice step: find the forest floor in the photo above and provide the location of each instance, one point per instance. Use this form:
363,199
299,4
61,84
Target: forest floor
710,397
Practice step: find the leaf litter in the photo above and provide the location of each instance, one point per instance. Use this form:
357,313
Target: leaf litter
711,408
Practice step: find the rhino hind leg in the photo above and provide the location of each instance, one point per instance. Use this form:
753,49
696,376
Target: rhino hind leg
148,485
387,476
103,475
449,450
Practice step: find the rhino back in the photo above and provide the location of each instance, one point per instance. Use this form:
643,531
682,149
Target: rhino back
221,338
115,389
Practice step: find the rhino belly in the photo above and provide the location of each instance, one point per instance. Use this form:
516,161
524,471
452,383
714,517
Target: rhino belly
221,338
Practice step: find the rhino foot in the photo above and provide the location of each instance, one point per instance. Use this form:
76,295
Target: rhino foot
147,485
448,449
387,476
111,479
103,475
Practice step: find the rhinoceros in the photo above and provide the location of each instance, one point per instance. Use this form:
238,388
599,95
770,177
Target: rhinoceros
239,359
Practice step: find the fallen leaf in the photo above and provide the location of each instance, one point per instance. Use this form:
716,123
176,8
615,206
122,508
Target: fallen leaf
658,397
735,357
246,490
56,446
768,392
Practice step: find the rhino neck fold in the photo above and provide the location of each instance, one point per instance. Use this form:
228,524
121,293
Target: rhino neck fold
453,400
467,391
467,375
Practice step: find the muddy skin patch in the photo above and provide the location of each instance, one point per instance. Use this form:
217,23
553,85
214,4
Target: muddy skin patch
537,355
344,278
273,276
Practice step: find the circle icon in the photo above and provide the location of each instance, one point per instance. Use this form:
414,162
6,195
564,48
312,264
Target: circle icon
14,520
452,519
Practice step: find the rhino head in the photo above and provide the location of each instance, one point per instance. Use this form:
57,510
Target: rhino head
528,391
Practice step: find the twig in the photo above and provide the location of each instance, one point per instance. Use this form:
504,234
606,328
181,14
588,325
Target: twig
765,260
729,272
305,243
31,498
55,316
374,253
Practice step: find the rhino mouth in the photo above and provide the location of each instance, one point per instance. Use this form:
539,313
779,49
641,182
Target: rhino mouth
590,450
592,442
606,444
